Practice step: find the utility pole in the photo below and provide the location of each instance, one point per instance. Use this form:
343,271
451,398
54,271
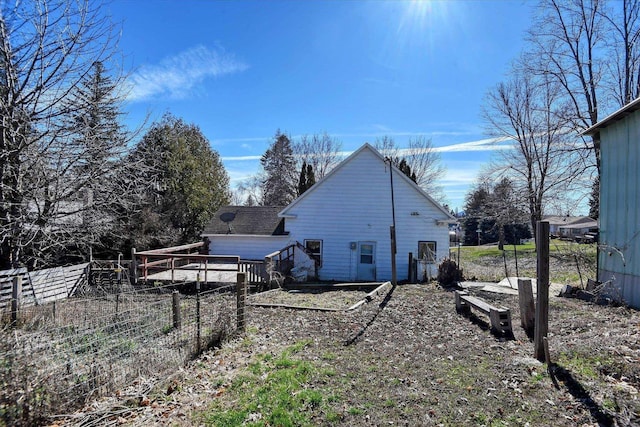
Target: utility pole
394,275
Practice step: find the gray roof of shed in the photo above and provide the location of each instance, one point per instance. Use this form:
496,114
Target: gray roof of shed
247,220
618,115
564,221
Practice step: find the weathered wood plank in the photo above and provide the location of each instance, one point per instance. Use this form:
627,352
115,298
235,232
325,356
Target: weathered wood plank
478,303
527,306
499,317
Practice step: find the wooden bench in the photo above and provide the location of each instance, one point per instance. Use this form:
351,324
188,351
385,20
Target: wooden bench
500,317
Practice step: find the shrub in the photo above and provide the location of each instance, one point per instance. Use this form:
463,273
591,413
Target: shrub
448,273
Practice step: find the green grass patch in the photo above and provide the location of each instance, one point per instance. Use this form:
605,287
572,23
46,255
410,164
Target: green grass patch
470,253
329,356
355,411
584,365
274,391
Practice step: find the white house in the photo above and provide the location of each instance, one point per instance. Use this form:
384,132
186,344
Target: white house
344,221
570,226
619,240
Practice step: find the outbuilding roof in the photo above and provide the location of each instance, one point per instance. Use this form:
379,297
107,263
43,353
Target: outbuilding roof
246,220
564,221
618,115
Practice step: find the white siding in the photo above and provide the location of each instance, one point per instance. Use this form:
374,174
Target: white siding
247,247
354,204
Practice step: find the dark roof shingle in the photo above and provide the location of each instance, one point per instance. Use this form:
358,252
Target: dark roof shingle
251,220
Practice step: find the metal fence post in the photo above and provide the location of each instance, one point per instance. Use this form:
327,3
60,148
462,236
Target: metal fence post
241,293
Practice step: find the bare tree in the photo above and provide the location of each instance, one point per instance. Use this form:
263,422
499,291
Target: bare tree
423,160
321,151
591,49
543,161
566,38
623,73
48,51
250,190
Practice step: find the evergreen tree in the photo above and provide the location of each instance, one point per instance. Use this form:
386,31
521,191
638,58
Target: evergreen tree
48,49
311,177
98,172
474,214
404,167
496,213
307,178
302,182
594,199
189,183
279,184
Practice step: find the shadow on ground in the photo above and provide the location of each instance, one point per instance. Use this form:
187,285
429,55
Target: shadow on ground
381,307
574,387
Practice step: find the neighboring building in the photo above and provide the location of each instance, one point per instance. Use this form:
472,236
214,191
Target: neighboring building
619,248
570,226
248,231
344,222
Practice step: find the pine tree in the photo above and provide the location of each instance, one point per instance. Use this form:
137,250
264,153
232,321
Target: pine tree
311,177
594,199
279,185
302,182
307,178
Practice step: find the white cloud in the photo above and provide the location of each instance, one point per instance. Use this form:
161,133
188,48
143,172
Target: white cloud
490,144
176,76
240,158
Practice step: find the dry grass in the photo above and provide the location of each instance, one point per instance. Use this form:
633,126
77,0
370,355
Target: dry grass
407,358
64,355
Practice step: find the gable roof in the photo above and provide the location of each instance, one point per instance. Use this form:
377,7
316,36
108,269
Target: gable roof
564,221
618,115
253,220
345,162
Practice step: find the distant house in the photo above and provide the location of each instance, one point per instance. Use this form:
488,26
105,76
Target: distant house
619,249
570,226
344,222
248,231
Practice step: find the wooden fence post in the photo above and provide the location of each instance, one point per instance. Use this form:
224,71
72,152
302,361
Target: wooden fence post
198,322
16,299
527,306
268,268
241,293
176,309
133,273
542,300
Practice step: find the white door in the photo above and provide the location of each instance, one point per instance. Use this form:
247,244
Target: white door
366,261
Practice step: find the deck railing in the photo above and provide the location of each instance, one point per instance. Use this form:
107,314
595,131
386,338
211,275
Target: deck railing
189,257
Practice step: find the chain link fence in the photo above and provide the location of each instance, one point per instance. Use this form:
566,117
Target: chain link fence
62,354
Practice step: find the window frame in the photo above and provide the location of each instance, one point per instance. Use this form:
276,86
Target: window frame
316,256
429,243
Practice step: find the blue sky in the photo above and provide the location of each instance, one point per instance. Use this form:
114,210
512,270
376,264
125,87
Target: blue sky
358,70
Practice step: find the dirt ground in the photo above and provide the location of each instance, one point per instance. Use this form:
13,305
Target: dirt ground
407,358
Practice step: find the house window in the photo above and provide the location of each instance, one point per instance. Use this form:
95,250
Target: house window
427,250
314,248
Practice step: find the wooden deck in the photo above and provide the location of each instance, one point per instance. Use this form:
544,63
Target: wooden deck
210,273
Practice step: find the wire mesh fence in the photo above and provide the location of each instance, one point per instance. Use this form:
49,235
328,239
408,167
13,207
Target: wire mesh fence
62,354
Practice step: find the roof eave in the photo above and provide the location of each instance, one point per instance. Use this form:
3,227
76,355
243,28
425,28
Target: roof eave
617,115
